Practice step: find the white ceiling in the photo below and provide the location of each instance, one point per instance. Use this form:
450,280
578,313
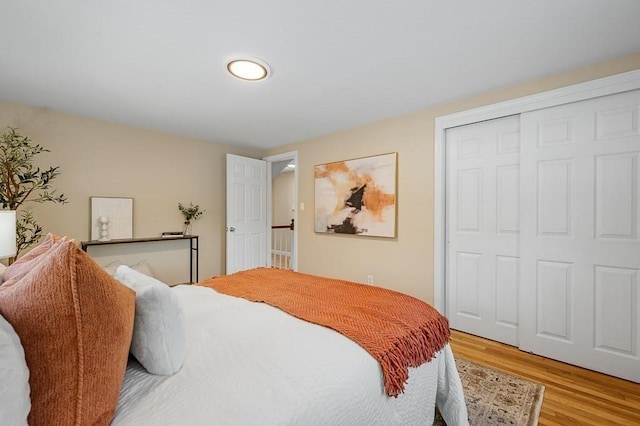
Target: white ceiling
160,64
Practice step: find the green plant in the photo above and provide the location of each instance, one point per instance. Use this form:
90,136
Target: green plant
190,213
22,182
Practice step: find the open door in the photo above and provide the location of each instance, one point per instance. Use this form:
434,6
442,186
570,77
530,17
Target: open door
246,229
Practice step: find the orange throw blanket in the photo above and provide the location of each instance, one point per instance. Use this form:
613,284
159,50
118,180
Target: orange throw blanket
399,331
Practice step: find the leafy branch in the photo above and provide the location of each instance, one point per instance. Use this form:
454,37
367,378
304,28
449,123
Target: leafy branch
28,231
192,212
22,182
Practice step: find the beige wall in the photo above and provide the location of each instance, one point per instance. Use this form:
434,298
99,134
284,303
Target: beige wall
158,170
406,262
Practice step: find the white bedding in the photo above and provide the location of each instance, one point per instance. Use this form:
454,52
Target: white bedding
252,364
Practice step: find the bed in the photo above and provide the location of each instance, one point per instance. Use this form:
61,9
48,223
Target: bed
244,363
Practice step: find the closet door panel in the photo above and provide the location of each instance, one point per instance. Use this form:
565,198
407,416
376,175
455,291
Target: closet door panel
579,243
482,265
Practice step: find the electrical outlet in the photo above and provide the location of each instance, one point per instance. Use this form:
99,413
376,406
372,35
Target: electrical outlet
369,279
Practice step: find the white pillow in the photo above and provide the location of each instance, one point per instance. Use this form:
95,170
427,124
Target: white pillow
143,268
159,341
111,267
15,403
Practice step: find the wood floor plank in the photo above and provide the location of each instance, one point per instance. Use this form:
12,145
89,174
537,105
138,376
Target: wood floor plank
573,395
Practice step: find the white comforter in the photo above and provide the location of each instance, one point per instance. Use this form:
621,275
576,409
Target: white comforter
252,364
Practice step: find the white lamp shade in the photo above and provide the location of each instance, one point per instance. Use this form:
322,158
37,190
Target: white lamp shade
7,233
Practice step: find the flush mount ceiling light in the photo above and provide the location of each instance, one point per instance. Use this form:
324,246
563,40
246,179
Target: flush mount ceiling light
250,69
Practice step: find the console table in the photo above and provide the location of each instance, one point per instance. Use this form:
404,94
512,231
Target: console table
193,248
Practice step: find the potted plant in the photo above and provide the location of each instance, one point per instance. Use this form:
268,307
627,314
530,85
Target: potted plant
190,213
22,182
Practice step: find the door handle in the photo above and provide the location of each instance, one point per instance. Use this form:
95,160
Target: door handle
232,229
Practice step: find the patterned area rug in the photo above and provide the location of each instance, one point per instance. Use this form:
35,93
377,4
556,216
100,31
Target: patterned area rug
497,398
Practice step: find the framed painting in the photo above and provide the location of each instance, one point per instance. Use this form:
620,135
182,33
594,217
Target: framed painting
357,197
111,218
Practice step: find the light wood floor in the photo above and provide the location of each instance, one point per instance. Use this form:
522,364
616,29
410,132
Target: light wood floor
572,395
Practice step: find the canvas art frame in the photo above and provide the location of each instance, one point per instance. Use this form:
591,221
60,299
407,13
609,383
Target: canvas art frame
357,197
118,211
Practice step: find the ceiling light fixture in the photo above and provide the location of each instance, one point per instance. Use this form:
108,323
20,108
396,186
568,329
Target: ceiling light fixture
250,69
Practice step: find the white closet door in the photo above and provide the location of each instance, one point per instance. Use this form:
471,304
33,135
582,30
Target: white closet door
580,242
482,194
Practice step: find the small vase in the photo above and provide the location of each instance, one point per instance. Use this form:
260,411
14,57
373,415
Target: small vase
187,228
104,228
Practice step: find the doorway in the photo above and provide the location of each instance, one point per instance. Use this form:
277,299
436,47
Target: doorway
282,211
250,213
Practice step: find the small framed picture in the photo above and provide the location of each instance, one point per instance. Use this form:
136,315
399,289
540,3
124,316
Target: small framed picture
111,218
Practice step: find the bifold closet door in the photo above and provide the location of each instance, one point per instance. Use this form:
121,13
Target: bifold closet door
580,242
482,193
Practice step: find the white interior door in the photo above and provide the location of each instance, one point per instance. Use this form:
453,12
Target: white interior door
246,213
482,220
580,242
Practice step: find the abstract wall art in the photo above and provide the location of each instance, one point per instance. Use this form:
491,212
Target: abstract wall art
357,196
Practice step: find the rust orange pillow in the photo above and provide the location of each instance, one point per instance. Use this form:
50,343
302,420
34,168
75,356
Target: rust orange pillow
23,265
75,323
